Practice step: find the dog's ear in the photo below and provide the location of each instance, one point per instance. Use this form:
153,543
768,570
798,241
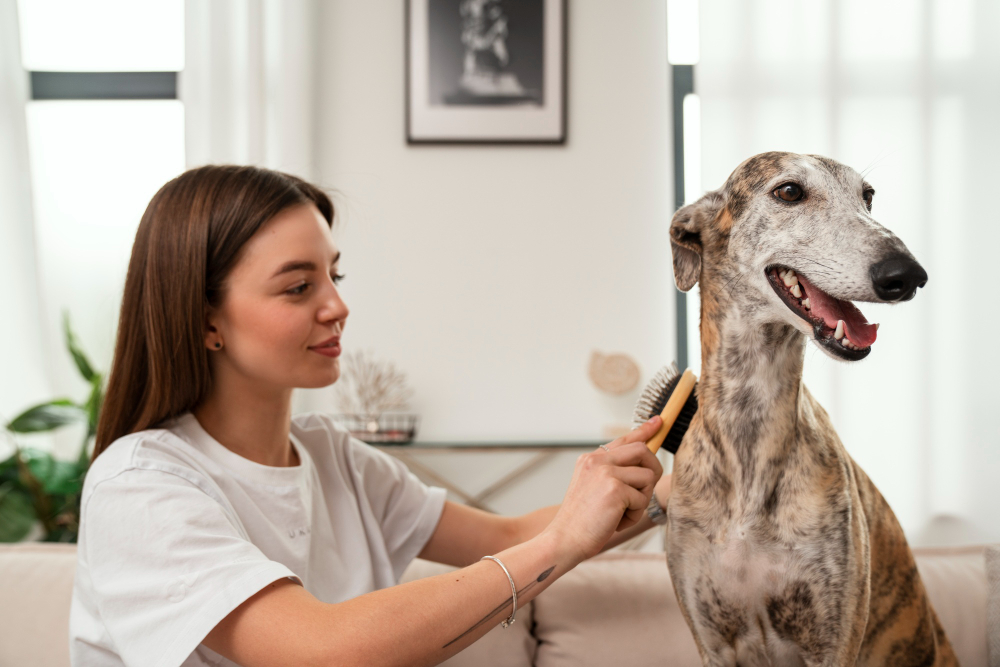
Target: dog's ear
685,238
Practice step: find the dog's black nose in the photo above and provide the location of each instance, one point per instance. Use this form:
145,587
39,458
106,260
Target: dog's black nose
897,278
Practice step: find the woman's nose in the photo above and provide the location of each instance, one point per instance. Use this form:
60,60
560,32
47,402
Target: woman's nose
333,307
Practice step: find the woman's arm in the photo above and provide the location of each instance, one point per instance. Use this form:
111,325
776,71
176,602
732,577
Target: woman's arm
465,534
425,622
422,622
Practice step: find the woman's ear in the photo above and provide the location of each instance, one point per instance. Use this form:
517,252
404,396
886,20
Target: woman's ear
213,339
685,238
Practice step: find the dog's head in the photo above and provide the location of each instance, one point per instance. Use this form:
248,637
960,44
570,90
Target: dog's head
794,234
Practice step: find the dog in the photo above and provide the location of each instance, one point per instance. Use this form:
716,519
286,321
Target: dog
780,548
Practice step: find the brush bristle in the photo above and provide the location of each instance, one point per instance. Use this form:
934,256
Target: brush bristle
653,399
655,394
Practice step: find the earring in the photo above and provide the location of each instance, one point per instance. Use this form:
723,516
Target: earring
218,345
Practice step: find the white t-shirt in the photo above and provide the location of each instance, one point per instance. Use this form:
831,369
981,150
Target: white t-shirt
177,531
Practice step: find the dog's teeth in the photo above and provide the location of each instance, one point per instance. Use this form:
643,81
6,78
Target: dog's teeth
807,305
797,291
839,333
790,279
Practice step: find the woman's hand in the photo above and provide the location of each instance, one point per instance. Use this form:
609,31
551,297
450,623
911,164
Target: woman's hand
609,491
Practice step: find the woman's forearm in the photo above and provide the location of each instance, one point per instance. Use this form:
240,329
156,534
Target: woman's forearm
422,622
459,607
531,524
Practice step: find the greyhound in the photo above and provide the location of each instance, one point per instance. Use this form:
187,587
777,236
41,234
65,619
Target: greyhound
780,548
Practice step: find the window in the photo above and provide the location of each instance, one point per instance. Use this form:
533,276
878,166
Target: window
105,131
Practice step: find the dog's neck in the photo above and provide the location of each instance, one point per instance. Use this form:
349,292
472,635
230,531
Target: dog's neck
750,387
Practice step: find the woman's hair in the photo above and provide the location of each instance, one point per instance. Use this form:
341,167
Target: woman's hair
189,239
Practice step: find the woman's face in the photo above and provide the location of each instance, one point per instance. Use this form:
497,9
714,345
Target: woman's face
281,316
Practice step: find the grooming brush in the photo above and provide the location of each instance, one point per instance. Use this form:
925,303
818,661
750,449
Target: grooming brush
669,394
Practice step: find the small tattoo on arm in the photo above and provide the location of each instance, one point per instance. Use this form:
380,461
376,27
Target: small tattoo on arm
542,577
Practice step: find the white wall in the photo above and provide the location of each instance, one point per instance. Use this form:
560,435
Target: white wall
489,273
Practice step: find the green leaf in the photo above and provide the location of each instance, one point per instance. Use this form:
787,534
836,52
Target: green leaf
9,471
17,515
40,464
65,478
93,404
46,417
73,345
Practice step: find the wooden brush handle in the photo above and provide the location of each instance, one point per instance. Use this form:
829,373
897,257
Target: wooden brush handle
673,408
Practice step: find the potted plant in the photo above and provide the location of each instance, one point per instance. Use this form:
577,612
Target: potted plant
35,487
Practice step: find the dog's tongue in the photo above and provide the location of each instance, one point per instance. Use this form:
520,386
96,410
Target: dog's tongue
859,331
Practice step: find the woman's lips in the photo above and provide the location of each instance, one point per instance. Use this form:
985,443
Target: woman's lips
328,348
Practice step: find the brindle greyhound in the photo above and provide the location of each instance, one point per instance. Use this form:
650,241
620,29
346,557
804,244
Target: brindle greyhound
781,550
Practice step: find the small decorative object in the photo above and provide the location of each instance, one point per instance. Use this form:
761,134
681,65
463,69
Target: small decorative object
370,393
615,373
486,71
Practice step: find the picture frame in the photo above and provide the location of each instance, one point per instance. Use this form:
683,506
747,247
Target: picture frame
486,71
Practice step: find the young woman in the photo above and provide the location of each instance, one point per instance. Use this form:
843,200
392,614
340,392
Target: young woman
218,529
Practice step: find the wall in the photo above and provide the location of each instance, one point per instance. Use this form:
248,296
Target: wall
488,274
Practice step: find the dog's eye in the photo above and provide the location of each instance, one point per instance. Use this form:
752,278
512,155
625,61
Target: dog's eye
788,192
868,195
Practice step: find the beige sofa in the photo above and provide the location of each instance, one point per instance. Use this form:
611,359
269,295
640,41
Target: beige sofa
617,608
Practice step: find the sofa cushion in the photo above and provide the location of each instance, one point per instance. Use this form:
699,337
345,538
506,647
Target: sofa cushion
36,586
513,646
615,608
955,580
993,610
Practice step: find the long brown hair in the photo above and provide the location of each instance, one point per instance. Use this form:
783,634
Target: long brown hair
189,239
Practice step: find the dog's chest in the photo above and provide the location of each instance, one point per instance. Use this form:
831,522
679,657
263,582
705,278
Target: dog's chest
749,567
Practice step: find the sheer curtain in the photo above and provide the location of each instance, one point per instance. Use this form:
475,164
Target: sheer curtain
23,378
908,91
248,85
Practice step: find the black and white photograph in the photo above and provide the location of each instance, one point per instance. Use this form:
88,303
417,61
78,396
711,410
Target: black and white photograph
486,71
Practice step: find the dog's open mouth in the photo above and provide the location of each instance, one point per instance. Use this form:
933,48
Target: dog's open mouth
837,325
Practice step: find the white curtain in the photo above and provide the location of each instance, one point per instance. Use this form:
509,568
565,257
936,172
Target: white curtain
248,84
23,377
908,90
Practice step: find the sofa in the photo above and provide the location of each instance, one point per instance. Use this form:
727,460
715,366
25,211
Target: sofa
616,608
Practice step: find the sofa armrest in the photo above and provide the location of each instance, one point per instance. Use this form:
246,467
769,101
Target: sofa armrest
36,586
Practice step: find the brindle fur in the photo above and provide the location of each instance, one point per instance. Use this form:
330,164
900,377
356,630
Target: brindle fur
781,550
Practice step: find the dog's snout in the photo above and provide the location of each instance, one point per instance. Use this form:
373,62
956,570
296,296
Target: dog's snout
897,278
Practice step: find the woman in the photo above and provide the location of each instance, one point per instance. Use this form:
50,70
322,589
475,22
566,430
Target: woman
218,529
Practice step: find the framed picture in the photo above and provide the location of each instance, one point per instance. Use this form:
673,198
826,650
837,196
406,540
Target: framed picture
486,71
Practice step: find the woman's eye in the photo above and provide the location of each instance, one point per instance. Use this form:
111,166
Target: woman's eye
299,290
869,195
788,192
337,277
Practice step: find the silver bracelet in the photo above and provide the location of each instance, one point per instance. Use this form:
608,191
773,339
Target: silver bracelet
513,591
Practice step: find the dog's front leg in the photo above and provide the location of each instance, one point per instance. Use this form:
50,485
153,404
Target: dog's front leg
825,613
724,633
